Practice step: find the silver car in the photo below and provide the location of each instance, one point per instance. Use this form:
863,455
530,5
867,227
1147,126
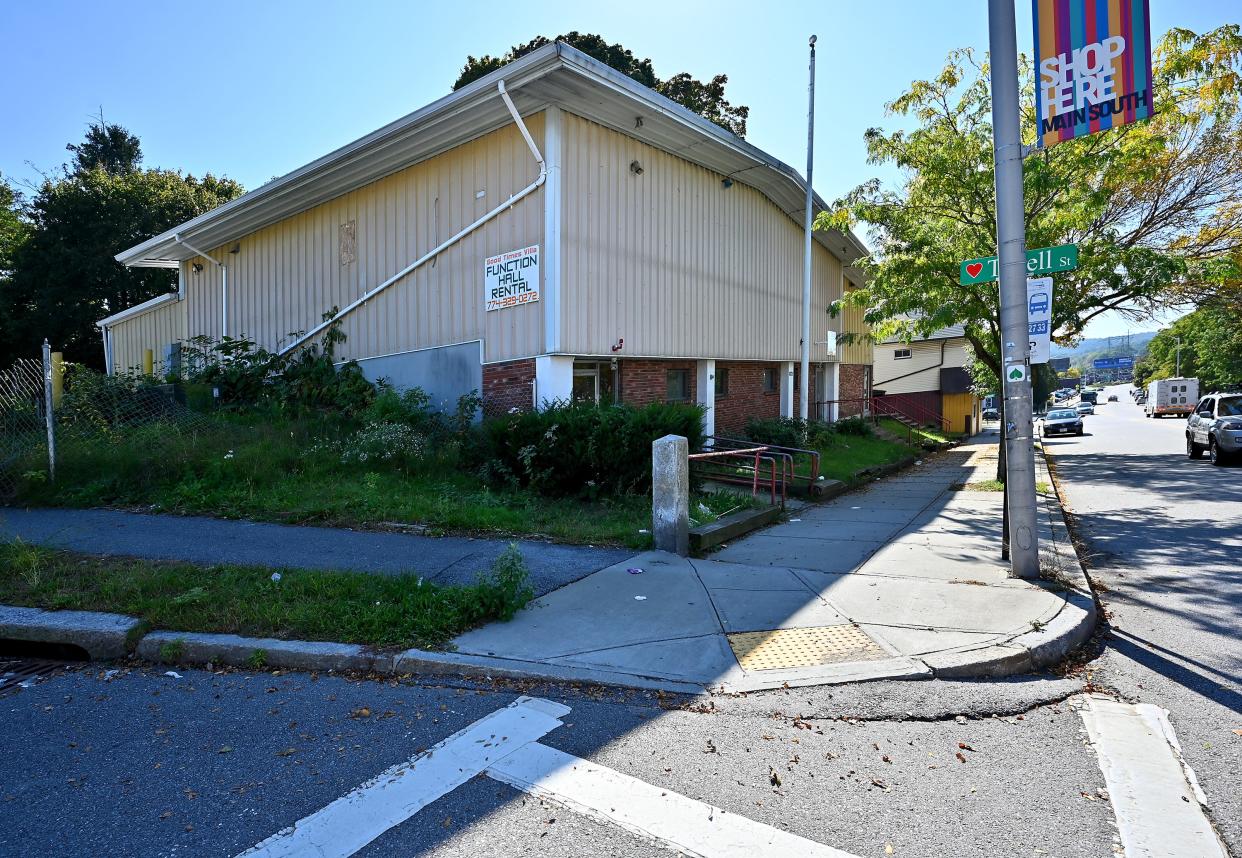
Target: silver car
1216,426
1061,421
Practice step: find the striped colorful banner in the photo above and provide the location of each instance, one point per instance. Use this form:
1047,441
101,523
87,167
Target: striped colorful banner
1093,66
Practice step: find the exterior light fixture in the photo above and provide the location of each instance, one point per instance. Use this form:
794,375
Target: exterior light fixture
726,183
636,168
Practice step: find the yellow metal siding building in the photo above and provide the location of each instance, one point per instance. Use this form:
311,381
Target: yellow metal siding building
666,239
927,379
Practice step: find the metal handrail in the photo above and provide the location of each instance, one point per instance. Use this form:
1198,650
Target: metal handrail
752,458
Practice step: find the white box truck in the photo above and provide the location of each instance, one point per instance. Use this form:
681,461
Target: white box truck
1171,396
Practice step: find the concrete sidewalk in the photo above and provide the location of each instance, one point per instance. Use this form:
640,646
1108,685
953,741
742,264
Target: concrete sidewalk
194,539
901,580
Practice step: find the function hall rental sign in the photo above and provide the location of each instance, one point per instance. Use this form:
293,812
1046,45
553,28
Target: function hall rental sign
511,279
1094,66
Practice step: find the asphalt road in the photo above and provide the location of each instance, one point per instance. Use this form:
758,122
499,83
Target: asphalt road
145,764
123,760
1164,538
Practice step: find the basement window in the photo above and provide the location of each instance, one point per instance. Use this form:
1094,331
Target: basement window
901,354
677,385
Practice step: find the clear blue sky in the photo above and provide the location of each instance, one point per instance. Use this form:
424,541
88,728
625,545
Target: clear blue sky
253,90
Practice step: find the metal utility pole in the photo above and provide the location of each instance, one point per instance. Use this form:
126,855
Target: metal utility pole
1011,260
804,382
1177,372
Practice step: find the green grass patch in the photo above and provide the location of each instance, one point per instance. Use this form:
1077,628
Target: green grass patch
842,457
378,610
918,436
980,486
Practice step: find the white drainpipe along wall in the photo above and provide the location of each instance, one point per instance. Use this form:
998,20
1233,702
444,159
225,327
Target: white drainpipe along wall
787,389
705,388
224,282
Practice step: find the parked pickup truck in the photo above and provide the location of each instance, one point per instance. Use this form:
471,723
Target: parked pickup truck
1171,396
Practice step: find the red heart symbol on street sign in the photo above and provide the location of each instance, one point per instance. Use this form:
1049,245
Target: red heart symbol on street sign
973,270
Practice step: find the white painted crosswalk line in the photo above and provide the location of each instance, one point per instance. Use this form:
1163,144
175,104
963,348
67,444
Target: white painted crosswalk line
1153,792
691,826
354,820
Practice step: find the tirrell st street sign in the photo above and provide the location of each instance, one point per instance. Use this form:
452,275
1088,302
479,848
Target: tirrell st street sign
1045,260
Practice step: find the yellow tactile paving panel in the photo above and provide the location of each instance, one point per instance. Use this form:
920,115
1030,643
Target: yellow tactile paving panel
785,648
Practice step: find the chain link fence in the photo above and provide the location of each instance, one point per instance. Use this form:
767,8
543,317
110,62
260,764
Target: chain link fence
23,424
92,411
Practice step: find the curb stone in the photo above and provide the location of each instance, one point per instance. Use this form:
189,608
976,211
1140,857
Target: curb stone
196,648
103,636
107,636
1068,629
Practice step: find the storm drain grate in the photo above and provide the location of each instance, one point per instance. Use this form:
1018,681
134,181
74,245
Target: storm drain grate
22,673
785,648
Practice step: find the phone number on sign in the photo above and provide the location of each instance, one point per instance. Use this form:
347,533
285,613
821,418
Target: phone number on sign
513,301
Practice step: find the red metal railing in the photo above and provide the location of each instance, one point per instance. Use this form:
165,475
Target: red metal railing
913,411
792,455
744,467
878,406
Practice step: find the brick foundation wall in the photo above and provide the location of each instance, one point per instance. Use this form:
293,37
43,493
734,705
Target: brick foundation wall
507,386
852,380
746,397
645,381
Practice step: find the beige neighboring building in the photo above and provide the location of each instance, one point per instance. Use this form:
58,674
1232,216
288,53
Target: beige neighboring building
552,230
927,379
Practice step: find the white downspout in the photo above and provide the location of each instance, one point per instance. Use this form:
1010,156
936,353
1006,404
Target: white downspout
107,347
224,282
440,248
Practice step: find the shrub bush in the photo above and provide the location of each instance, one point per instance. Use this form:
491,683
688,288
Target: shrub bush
582,449
792,432
413,408
779,431
305,380
853,426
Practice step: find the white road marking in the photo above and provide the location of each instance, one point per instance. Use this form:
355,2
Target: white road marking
355,819
694,827
1155,797
504,745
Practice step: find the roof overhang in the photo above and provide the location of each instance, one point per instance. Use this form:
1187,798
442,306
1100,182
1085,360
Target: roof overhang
138,309
556,74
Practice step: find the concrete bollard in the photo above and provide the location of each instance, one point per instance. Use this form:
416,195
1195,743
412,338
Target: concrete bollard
670,494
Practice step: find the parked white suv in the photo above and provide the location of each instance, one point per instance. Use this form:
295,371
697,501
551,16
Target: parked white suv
1216,426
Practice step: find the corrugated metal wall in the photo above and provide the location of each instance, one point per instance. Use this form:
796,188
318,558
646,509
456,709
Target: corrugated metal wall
675,263
861,350
919,372
957,407
153,330
284,277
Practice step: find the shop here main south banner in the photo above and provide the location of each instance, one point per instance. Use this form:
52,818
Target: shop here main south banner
1094,66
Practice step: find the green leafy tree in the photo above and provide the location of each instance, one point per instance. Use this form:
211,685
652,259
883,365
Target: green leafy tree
106,147
64,277
13,229
1155,207
1211,348
704,98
